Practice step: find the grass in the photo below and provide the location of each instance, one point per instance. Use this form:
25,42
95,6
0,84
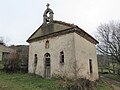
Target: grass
113,77
102,85
1,65
105,70
116,78
19,81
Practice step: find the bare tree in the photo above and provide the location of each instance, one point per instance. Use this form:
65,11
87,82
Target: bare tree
109,38
4,41
12,62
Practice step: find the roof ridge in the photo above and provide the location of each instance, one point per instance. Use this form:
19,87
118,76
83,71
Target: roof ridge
75,27
61,22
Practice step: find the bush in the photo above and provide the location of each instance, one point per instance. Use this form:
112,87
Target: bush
79,84
12,63
16,62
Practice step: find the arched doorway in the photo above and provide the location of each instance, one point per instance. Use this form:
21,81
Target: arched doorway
47,66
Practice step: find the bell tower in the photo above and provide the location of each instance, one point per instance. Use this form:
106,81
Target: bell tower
48,15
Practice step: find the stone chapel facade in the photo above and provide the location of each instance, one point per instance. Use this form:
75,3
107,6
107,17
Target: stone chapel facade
59,48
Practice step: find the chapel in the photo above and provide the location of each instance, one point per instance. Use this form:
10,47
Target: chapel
64,49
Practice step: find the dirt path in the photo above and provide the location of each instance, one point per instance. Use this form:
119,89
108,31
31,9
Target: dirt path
115,87
114,84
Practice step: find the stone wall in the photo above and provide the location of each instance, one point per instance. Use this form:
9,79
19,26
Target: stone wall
57,44
4,49
76,50
85,50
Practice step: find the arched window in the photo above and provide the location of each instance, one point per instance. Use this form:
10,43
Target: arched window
47,44
47,72
35,60
47,59
90,66
62,57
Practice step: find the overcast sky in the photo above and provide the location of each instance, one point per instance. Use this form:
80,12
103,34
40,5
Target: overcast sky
20,18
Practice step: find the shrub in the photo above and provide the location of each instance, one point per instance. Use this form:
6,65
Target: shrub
12,62
15,63
79,84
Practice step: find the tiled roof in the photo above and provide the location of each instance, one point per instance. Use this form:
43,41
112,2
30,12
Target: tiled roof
64,23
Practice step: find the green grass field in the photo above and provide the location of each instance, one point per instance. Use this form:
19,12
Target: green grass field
102,85
18,81
1,66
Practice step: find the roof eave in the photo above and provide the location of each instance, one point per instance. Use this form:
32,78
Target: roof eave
85,35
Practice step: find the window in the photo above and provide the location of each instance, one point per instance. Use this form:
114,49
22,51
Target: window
62,57
47,44
47,59
47,66
90,66
35,60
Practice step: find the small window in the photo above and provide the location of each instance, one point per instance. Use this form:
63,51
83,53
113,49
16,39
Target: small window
47,44
62,57
90,66
35,60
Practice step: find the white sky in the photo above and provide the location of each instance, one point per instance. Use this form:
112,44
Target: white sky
20,18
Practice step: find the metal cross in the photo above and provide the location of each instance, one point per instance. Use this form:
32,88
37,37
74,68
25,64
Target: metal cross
48,5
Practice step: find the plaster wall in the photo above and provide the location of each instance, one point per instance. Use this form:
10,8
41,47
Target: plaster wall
57,44
84,51
4,49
